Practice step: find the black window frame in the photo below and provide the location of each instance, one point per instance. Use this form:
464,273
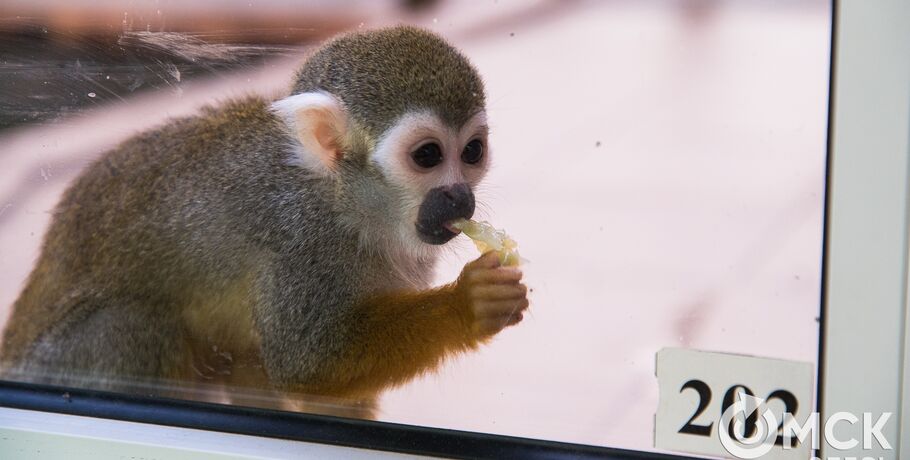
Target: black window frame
297,426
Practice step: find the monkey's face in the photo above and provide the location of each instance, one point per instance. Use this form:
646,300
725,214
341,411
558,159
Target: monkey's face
437,166
418,177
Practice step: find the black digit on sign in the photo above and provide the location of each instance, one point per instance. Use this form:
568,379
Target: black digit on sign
704,398
790,407
729,398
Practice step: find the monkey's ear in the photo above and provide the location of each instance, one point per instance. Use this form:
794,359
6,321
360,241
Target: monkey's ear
319,122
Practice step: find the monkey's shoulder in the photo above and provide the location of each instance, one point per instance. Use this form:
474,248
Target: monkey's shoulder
234,127
179,164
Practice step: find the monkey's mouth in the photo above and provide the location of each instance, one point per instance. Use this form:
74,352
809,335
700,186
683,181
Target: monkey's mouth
448,226
440,207
438,233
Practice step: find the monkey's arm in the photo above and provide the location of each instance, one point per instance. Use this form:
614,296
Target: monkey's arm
388,339
400,335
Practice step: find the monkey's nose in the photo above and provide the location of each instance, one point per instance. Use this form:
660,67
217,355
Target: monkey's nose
459,196
440,206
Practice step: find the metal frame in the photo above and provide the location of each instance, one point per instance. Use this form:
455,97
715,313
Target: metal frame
26,434
863,355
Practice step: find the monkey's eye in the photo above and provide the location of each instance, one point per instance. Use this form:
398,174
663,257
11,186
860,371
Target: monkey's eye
427,155
473,152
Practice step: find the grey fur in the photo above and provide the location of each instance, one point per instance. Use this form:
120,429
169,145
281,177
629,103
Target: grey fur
209,209
429,75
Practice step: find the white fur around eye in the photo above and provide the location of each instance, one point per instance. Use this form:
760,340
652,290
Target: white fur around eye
475,128
409,132
392,153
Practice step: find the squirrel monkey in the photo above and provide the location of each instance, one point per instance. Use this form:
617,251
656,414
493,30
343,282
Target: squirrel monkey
285,245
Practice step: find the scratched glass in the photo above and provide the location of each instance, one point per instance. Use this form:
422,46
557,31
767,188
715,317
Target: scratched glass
661,165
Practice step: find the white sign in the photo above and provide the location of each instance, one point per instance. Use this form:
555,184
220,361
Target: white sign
722,404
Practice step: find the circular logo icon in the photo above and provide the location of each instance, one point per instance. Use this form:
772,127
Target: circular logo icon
748,428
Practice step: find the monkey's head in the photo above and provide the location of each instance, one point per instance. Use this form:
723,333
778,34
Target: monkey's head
395,119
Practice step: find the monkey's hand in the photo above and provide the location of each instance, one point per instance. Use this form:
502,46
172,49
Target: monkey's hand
493,296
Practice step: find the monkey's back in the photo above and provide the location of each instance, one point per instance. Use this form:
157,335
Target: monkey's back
171,216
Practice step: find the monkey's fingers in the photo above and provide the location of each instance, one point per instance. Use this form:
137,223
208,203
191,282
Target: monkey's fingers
499,308
515,319
491,326
499,291
501,275
489,259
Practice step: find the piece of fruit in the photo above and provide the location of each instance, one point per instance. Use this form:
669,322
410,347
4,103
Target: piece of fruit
486,237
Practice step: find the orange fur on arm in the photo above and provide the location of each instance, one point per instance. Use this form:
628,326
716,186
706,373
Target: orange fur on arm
401,335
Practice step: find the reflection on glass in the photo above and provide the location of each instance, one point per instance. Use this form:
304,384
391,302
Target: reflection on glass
662,166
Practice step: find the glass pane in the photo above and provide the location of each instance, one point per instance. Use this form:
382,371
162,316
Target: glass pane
661,165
